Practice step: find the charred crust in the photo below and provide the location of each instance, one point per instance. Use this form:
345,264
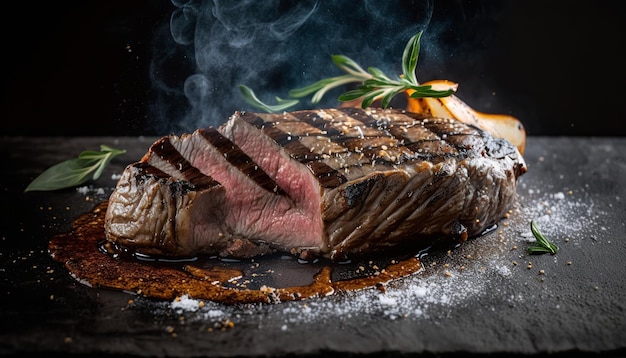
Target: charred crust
145,171
327,176
354,194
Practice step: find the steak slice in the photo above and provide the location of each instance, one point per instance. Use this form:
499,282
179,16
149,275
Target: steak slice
333,183
149,206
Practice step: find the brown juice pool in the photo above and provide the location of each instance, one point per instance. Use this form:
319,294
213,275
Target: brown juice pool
268,279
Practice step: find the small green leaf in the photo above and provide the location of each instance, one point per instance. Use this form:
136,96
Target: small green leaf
73,172
62,175
305,91
409,58
374,83
353,94
542,245
426,91
370,98
380,76
538,250
387,98
350,66
251,98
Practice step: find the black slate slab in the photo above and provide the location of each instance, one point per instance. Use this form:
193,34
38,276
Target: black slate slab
489,297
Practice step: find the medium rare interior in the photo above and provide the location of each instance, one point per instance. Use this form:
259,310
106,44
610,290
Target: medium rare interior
294,178
280,215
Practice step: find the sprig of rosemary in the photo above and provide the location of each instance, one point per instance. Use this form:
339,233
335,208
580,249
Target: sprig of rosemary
72,172
375,83
542,245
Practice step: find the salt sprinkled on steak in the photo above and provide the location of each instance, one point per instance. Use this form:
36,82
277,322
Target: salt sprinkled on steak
333,183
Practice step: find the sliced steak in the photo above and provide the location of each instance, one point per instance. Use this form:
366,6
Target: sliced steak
150,206
333,183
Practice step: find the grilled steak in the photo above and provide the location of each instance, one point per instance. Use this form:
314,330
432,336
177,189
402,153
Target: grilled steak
333,183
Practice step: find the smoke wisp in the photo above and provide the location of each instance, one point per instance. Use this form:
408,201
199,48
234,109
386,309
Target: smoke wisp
272,47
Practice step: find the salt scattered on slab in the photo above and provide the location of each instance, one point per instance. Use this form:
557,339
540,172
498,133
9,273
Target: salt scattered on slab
185,304
449,283
90,190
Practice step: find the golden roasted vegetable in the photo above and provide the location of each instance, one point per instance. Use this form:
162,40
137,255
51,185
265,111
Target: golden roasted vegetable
498,125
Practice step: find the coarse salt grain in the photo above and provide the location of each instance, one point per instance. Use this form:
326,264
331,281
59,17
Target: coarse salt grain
184,303
387,300
85,190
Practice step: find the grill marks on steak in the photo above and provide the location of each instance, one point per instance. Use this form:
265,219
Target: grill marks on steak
254,215
335,182
162,155
289,139
235,156
254,210
411,180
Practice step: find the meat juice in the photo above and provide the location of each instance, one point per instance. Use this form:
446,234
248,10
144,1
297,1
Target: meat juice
269,279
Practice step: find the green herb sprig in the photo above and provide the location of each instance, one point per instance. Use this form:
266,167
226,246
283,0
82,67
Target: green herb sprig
543,245
72,172
375,83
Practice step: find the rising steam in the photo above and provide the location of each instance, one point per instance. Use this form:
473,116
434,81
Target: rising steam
271,46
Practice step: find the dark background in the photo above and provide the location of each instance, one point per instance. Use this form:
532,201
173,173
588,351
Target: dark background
85,67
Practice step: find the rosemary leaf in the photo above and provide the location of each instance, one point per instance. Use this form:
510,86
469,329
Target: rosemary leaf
312,88
350,66
409,58
542,245
251,98
353,94
372,83
539,250
387,98
371,97
427,91
380,76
